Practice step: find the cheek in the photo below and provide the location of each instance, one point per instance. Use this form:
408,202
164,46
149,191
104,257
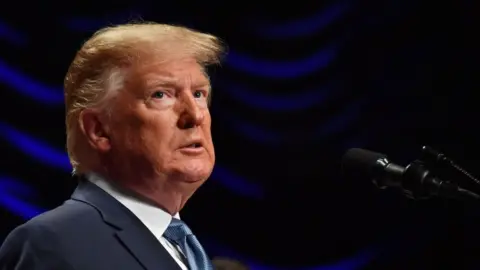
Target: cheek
207,125
126,138
128,132
158,132
208,134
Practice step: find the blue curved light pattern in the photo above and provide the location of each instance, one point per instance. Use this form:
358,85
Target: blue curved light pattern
340,121
262,135
83,24
13,203
35,148
236,183
256,133
11,35
282,70
16,187
86,24
304,26
91,24
357,261
28,87
278,103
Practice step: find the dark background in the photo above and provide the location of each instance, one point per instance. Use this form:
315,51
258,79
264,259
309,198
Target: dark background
302,83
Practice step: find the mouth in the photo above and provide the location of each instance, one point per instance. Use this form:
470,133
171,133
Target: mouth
193,145
193,148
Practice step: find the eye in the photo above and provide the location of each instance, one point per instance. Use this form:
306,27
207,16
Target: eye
158,94
199,94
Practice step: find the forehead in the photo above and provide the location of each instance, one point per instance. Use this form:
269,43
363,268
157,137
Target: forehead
184,72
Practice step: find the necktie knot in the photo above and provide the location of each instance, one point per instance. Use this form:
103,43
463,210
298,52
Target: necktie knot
177,230
179,233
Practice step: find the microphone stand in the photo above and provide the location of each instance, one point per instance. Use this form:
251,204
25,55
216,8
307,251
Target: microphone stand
440,159
430,185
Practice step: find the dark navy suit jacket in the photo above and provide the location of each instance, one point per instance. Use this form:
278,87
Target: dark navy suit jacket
91,231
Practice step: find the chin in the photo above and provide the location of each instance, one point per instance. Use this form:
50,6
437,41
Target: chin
195,176
194,172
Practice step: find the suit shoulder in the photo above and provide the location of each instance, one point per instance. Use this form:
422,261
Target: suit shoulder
55,222
59,223
34,245
51,233
71,214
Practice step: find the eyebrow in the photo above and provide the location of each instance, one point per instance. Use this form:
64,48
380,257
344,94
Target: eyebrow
168,81
158,80
201,85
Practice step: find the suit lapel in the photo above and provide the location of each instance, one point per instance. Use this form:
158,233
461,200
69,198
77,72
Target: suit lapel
129,230
146,248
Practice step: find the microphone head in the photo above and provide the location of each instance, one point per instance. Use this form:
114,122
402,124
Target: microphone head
360,162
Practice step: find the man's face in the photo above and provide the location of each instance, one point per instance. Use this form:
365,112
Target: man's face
160,125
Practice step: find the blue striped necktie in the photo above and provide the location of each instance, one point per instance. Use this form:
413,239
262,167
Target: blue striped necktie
179,233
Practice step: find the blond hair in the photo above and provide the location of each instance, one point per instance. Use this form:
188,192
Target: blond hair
97,70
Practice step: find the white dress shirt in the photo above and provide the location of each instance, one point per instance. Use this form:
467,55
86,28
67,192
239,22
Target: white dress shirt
154,218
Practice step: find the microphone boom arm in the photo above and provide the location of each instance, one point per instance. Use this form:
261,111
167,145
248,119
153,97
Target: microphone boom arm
415,180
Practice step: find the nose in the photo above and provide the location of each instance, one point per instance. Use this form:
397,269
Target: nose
191,114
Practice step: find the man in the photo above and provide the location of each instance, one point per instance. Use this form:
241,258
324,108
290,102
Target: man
139,140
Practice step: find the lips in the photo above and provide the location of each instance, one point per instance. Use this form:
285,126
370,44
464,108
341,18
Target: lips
192,148
193,144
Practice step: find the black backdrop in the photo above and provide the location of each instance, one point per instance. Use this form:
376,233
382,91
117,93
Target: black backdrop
301,84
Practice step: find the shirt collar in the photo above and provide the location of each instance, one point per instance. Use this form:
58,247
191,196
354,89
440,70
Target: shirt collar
154,218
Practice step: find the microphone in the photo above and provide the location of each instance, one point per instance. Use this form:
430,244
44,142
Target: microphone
415,180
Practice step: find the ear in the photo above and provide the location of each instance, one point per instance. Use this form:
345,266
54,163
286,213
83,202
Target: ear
95,130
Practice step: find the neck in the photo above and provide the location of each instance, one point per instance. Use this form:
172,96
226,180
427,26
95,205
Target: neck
155,191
